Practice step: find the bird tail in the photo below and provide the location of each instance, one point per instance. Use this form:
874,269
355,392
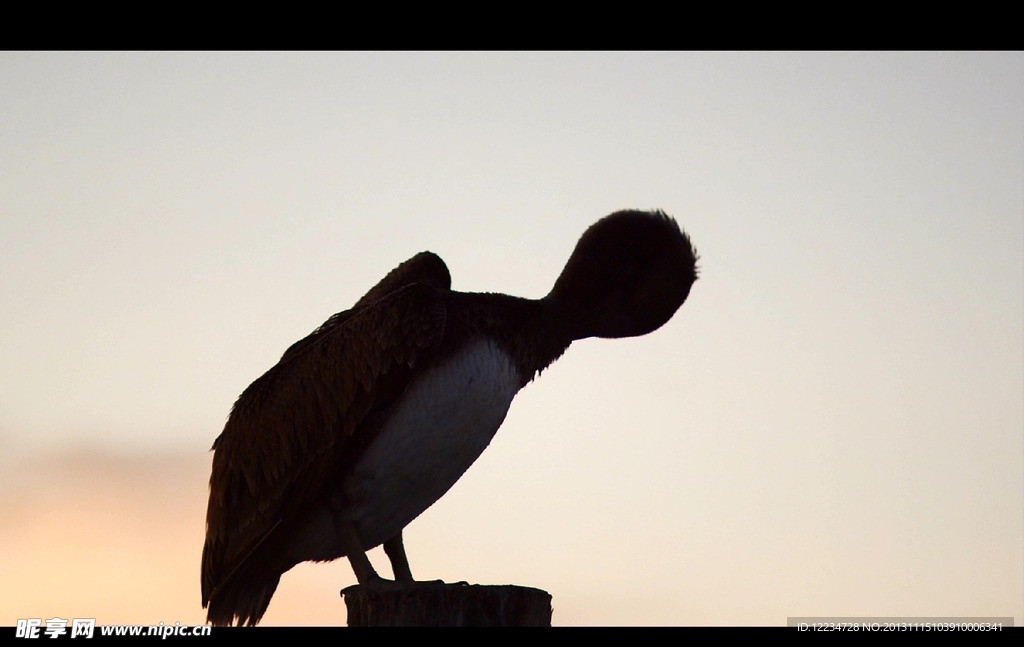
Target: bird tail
244,603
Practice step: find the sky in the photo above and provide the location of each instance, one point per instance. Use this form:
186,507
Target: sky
831,425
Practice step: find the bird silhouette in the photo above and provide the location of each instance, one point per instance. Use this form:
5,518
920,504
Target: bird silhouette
366,422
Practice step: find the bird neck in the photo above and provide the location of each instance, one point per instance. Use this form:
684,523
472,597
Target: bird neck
532,331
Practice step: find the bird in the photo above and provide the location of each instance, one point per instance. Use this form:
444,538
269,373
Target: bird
366,422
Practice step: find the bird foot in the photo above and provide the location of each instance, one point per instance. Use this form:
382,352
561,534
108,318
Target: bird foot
382,585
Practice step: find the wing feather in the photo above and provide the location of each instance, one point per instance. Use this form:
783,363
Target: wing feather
425,267
292,429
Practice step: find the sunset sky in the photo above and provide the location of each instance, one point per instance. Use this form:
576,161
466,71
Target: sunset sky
832,425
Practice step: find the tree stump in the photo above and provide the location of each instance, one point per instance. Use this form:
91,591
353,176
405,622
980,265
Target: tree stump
436,604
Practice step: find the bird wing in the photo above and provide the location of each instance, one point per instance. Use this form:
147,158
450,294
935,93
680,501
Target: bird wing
291,429
425,267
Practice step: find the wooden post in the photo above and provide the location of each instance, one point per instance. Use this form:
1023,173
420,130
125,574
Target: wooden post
436,604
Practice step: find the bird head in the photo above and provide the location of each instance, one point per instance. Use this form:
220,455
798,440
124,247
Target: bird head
628,275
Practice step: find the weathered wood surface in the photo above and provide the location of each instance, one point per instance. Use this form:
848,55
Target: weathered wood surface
436,604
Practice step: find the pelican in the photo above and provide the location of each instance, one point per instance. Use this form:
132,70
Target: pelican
366,422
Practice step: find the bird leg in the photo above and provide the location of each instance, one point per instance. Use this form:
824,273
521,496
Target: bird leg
395,550
346,531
